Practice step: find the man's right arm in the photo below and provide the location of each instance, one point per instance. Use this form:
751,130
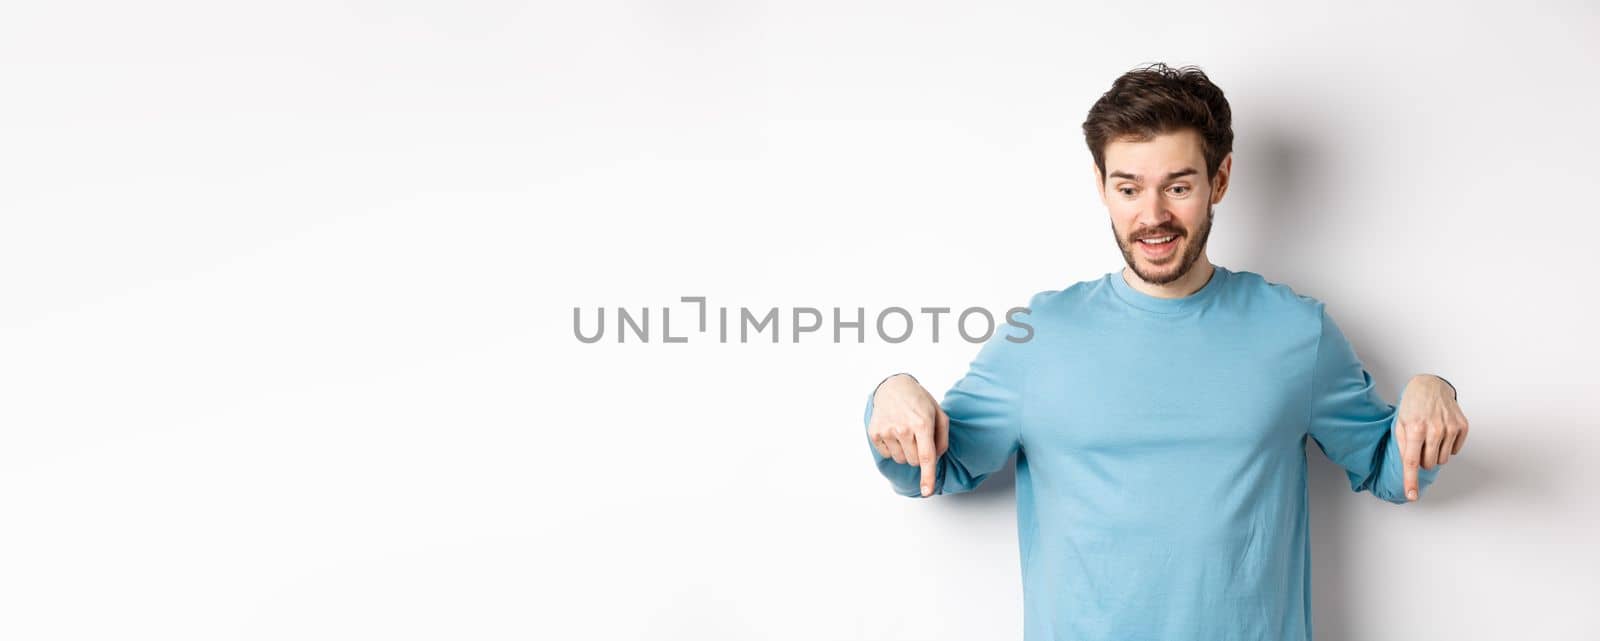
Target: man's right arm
984,411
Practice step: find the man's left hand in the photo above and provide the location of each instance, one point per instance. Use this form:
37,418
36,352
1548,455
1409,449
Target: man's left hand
1429,426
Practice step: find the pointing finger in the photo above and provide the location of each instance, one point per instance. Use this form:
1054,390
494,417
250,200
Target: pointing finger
929,460
1411,454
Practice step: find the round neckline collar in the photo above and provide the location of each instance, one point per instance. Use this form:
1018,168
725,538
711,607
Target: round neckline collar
1156,304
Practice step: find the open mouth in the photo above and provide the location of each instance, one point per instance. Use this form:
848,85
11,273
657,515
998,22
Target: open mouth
1157,246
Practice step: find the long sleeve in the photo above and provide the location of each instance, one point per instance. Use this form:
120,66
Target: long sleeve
1351,423
985,409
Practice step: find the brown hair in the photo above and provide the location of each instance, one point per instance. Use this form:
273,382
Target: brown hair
1157,99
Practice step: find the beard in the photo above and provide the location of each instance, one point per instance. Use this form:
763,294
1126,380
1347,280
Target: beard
1191,251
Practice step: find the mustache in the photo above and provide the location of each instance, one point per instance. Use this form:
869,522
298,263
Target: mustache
1157,232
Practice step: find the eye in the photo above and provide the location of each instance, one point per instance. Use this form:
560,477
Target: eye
1184,188
1126,191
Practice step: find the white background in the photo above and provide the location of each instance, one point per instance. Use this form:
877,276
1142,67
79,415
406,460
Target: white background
286,292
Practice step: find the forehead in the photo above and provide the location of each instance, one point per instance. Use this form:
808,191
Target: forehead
1163,153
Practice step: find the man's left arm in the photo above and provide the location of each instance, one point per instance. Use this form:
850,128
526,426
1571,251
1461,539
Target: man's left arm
1394,452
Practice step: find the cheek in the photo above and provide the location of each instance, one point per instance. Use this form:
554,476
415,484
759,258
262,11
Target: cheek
1193,214
1121,225
1123,215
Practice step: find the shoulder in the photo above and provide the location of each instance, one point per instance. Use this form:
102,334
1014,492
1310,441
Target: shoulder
1261,296
1046,313
1068,296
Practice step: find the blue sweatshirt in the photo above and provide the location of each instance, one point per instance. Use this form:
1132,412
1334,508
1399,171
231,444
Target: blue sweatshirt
1161,460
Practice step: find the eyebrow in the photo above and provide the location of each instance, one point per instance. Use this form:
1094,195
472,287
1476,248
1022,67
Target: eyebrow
1135,178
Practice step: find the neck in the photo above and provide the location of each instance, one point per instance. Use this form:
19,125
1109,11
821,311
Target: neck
1190,283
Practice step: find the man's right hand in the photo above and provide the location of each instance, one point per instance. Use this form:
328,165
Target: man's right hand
909,426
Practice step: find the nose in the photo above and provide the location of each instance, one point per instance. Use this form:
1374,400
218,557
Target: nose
1153,211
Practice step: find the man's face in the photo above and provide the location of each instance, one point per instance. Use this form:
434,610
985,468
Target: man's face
1157,190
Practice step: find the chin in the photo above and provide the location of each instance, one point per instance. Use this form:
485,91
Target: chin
1162,273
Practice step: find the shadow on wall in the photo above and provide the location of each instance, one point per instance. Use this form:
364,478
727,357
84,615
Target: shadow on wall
1281,158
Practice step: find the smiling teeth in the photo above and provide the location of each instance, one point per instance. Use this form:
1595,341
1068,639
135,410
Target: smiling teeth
1155,241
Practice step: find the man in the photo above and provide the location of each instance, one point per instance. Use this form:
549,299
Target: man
1159,413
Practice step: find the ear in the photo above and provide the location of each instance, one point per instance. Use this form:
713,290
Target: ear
1219,184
